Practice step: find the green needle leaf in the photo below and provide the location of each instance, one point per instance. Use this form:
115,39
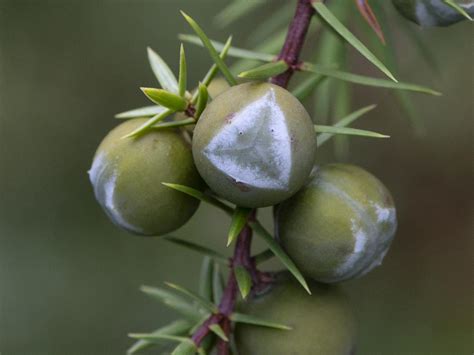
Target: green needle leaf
244,281
212,51
217,284
458,8
201,196
162,72
177,328
343,122
239,218
366,80
173,301
185,348
332,21
146,111
348,131
195,247
236,10
157,337
183,72
146,126
233,51
331,49
307,87
217,330
201,301
213,70
203,97
389,55
265,71
165,98
174,124
205,278
248,319
263,256
279,252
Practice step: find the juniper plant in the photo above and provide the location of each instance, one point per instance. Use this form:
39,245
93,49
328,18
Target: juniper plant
255,145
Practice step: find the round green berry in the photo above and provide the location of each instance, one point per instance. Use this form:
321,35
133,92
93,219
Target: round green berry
340,225
127,176
430,13
216,87
321,323
255,144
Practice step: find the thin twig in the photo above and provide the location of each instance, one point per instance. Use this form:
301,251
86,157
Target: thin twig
241,257
294,41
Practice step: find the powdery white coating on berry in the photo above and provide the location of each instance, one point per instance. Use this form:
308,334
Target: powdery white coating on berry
361,239
376,262
467,5
105,191
254,148
384,214
97,169
370,242
364,235
428,13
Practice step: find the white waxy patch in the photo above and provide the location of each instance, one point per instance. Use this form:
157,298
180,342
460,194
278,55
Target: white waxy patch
435,12
384,214
370,244
376,262
97,168
360,242
254,147
467,4
109,192
106,192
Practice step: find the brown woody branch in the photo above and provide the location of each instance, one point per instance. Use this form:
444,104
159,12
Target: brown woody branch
290,53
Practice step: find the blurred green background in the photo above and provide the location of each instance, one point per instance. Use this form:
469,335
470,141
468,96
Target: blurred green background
69,279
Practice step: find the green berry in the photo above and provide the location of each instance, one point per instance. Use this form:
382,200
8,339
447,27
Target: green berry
127,176
430,13
340,225
322,323
216,87
255,144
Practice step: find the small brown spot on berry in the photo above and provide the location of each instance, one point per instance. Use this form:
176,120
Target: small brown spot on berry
229,117
241,186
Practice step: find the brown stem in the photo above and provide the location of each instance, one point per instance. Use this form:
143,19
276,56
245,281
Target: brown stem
229,298
294,41
290,54
222,345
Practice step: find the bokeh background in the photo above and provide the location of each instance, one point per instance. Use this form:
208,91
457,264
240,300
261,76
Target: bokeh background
69,279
